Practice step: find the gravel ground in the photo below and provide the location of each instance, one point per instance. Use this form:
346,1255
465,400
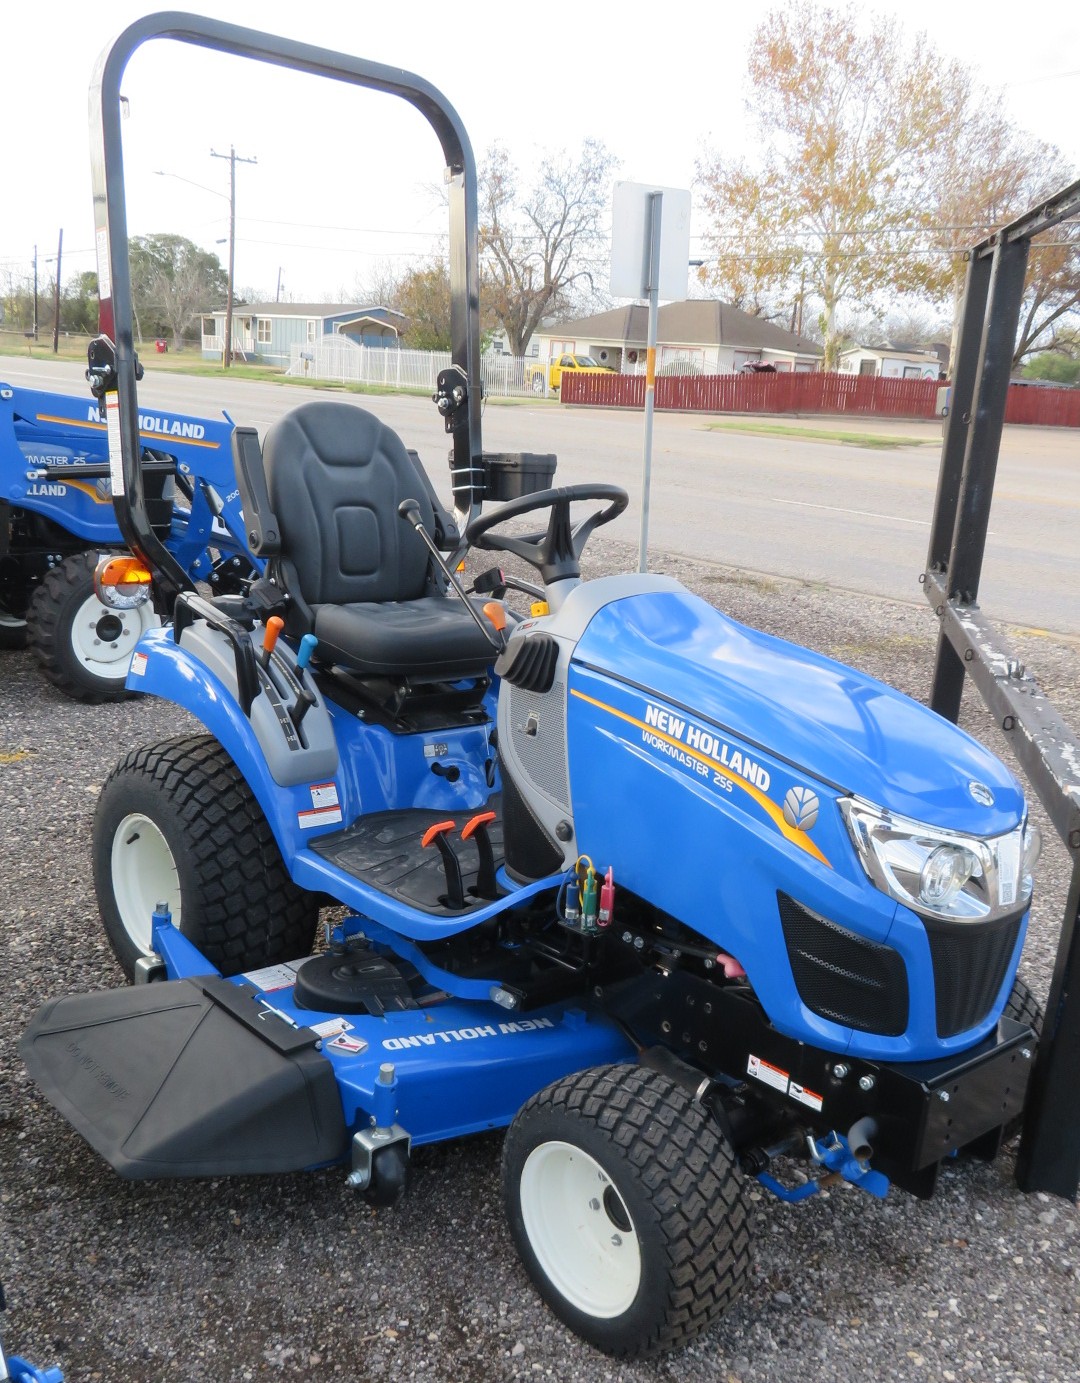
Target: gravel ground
293,1276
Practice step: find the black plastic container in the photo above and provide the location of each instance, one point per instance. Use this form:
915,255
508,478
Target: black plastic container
511,474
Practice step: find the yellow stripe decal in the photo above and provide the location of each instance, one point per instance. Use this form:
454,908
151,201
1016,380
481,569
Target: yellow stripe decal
792,833
86,487
100,427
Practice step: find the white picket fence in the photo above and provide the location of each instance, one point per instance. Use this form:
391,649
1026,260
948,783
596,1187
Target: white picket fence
338,358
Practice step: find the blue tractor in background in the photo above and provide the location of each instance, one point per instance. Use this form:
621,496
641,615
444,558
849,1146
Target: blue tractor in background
57,521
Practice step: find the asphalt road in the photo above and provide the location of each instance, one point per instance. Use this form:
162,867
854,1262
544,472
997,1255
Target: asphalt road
846,516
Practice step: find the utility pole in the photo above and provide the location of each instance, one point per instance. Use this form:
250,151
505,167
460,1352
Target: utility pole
56,296
233,160
35,293
277,295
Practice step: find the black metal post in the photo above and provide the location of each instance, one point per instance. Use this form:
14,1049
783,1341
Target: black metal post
1049,1157
986,418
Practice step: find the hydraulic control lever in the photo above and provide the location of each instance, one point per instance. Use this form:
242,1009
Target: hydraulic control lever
410,512
304,698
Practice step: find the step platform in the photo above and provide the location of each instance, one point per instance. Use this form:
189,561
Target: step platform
386,851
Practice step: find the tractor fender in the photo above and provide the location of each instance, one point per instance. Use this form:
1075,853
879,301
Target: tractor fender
300,788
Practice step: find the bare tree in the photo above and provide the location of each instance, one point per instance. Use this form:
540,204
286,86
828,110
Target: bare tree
541,250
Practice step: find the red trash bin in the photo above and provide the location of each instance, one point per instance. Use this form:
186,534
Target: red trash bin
161,345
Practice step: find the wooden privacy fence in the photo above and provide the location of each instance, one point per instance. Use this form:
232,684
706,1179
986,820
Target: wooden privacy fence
844,395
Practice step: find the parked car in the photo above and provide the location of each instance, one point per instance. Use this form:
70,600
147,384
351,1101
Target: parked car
544,377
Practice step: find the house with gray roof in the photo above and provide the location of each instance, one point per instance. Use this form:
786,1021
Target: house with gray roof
698,336
266,332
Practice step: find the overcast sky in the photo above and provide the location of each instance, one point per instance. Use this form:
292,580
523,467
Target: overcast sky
345,180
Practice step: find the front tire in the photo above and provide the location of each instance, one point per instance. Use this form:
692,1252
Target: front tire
177,823
627,1207
84,648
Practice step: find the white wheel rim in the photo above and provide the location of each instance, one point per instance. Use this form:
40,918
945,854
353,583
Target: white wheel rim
143,874
11,621
103,640
589,1259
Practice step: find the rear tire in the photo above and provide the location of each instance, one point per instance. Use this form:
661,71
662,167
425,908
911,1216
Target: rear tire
177,823
84,648
627,1207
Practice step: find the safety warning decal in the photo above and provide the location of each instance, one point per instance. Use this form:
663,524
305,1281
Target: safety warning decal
805,1096
767,1073
324,795
273,977
333,1027
138,665
325,807
352,1046
318,816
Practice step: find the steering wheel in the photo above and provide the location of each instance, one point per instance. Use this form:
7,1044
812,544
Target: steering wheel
554,553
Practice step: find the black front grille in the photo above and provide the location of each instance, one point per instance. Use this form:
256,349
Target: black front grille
970,960
843,977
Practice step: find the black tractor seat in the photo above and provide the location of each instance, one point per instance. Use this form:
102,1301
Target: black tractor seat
322,501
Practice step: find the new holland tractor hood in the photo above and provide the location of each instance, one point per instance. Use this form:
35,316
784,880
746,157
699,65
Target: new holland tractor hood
849,731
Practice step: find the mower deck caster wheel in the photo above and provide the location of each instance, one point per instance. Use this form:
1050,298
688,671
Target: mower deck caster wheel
389,1176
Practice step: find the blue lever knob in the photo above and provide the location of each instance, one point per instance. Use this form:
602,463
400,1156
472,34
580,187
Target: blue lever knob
308,645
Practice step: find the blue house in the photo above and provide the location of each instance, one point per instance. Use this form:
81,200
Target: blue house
266,332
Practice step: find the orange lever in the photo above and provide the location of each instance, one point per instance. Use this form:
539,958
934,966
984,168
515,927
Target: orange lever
475,823
274,625
496,613
436,830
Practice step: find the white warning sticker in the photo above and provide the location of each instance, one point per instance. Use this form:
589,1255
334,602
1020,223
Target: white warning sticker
324,795
318,816
352,1046
138,665
768,1074
805,1096
273,977
112,427
331,1028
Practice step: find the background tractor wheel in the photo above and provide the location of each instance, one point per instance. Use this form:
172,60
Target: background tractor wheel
627,1207
12,630
84,648
178,823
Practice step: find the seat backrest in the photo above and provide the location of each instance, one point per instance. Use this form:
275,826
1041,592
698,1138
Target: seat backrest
335,476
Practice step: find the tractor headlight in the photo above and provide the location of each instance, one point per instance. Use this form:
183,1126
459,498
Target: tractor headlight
939,873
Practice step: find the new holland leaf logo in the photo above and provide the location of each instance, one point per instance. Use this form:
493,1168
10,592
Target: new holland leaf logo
801,808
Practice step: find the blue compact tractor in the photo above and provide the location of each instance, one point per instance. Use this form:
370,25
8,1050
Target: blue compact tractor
664,897
57,522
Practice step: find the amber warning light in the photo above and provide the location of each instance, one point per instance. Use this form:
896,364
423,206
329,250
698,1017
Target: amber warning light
121,583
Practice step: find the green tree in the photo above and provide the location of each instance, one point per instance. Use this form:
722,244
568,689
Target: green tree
852,119
79,304
423,295
541,250
1050,365
172,283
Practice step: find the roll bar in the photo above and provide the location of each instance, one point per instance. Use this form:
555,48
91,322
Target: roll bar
110,224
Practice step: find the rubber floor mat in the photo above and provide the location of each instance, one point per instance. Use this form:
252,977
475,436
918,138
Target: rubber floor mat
385,851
